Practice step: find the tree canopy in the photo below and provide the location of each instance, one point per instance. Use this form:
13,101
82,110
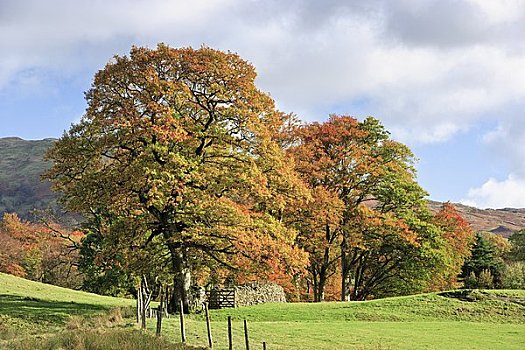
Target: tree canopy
182,168
178,148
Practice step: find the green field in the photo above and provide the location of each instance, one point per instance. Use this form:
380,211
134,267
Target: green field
32,312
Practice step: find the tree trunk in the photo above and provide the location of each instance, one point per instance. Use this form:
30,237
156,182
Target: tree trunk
181,279
345,270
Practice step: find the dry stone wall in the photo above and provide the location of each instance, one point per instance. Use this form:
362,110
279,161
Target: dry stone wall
255,293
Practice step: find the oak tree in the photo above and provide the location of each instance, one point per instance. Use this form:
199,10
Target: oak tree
178,149
384,231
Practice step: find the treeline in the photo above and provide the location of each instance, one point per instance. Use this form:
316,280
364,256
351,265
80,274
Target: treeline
41,252
186,174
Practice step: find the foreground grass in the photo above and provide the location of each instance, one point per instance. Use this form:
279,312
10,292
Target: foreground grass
31,308
37,316
99,339
362,335
427,321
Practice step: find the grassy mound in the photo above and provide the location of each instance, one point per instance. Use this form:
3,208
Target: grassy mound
490,306
40,316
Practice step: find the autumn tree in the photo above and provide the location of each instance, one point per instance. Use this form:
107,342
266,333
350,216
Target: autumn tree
384,231
182,142
39,252
517,246
319,224
458,238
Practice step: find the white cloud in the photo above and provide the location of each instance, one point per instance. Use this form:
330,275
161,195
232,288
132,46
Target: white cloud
429,69
498,194
425,71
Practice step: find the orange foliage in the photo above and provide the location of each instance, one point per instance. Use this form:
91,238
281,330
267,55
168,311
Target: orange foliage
30,250
459,237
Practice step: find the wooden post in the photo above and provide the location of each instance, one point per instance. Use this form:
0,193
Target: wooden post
138,306
159,321
264,345
159,315
246,338
167,294
182,329
230,340
142,307
208,326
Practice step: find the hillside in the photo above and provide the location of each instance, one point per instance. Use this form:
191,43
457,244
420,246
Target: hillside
21,164
499,221
21,190
34,315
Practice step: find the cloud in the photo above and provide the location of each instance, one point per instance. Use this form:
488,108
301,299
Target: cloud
498,194
420,66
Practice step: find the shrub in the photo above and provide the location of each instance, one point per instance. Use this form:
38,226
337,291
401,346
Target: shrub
514,276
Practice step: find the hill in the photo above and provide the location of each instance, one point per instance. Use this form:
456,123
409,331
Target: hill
34,315
503,222
21,190
21,164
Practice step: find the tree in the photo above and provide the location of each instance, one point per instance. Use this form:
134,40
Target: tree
517,244
458,238
39,252
484,260
318,221
384,231
178,149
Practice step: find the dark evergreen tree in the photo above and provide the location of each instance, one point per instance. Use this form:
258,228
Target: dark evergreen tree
483,260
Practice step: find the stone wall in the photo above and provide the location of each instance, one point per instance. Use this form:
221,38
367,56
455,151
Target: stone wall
255,293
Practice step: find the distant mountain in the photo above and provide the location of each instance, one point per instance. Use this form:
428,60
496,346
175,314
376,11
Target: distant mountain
503,222
22,191
21,164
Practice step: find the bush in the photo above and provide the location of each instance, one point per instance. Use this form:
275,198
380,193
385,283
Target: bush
514,276
484,280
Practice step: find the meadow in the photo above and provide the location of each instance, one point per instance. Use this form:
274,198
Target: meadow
38,316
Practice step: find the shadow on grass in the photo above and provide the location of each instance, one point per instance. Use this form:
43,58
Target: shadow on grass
45,311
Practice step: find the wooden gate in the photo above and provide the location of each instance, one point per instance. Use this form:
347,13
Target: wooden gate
221,298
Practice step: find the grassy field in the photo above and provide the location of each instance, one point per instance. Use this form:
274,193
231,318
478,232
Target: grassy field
32,314
496,320
40,316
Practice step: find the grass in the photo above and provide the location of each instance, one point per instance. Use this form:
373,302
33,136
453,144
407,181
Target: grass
37,316
40,316
426,321
32,308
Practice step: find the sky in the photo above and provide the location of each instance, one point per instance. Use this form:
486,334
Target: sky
446,77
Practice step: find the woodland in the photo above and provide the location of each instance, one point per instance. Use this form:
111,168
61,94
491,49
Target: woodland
185,174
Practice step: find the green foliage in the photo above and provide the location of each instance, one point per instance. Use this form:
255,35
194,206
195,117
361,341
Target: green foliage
514,275
484,264
517,241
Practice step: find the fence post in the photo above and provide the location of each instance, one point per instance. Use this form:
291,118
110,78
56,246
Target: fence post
208,326
182,329
159,315
230,341
142,307
159,321
138,305
246,338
